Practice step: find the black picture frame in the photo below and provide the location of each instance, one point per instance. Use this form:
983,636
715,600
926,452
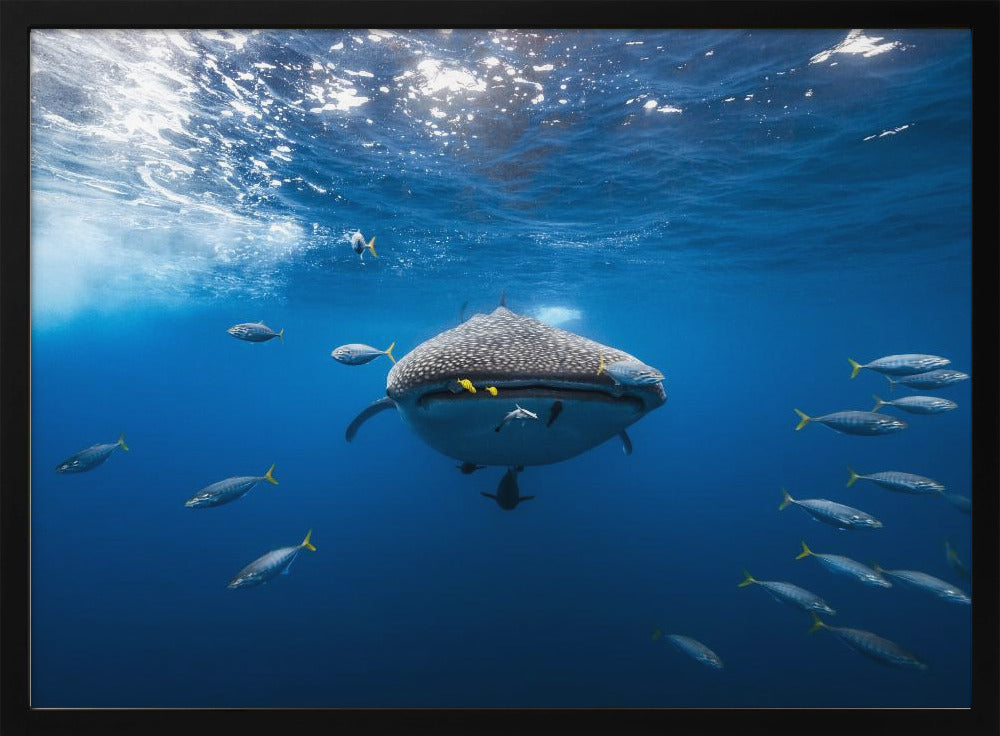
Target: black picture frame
18,18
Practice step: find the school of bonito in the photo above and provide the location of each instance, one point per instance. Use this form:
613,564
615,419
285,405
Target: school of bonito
914,370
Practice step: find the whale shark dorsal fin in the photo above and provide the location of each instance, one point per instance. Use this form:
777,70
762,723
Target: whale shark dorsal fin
503,298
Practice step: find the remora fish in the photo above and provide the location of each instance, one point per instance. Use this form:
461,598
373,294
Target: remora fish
871,645
532,364
357,353
255,332
508,495
228,490
791,594
894,480
846,566
270,565
517,414
929,583
554,412
693,648
830,512
91,457
900,365
917,404
864,423
932,379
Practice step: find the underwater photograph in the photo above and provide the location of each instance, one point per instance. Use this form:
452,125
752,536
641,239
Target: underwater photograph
501,369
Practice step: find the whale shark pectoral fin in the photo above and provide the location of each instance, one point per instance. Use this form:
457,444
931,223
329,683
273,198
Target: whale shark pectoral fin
626,442
374,408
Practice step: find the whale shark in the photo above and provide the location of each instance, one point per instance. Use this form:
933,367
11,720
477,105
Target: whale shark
525,363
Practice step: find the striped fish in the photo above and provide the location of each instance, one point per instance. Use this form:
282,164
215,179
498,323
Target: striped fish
255,332
900,365
693,648
791,594
847,566
955,563
871,645
630,372
228,490
357,353
865,423
830,512
932,379
923,581
917,404
962,503
91,457
270,565
895,480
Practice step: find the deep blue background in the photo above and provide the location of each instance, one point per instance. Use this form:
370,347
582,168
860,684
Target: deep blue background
746,248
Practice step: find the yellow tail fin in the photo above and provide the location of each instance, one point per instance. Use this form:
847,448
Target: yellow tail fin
388,350
853,479
949,551
371,246
878,402
656,634
817,623
785,500
281,334
804,422
747,580
121,442
306,543
268,477
855,365
804,553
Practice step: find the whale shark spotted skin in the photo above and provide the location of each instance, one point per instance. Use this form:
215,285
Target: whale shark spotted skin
533,365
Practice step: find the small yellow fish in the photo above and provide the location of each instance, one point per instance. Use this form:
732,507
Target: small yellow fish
492,390
467,385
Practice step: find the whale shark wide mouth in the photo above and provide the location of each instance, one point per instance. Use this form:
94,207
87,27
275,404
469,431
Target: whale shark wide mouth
530,391
643,398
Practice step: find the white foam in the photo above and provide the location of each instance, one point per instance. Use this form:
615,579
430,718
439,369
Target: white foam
437,77
857,43
556,315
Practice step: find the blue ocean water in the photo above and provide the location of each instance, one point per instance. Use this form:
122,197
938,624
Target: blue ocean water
744,210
